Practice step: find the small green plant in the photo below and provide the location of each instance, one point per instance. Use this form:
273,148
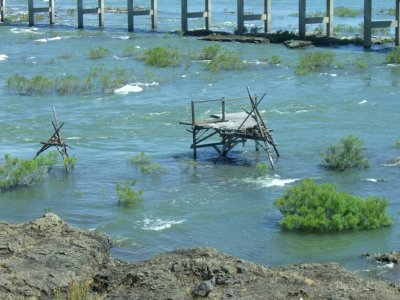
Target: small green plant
69,162
314,61
320,208
360,64
209,52
97,53
161,57
347,154
145,165
17,173
347,12
19,83
261,169
128,197
225,61
274,60
394,56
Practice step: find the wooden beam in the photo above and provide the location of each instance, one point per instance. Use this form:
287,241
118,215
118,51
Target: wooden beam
317,20
383,24
302,19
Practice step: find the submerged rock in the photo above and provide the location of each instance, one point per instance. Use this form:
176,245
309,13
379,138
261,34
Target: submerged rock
42,258
296,44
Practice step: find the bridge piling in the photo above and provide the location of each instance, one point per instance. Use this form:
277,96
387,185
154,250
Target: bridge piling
32,10
99,10
242,17
185,15
327,19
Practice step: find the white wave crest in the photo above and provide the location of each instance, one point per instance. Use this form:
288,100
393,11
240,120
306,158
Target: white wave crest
159,224
136,87
23,30
371,179
279,182
56,38
3,57
363,102
129,88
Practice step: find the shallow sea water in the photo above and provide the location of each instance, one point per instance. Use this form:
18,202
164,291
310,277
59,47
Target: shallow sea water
199,203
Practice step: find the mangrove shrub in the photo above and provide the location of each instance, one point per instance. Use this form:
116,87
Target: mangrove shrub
146,166
225,61
345,155
320,208
394,56
314,61
128,197
16,173
161,57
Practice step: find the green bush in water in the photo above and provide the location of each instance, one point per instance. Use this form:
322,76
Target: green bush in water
128,197
145,165
209,52
394,56
16,173
347,154
161,57
225,61
320,208
347,12
314,61
98,53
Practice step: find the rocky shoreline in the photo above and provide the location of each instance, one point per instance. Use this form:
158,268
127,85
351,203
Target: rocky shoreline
48,259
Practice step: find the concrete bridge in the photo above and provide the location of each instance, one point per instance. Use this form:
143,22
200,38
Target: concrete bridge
263,15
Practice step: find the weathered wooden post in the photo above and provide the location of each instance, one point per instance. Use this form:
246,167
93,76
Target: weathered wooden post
99,10
185,15
2,10
32,10
142,12
242,17
369,24
303,20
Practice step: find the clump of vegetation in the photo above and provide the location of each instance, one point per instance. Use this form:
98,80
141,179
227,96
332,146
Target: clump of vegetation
348,12
77,291
145,165
97,53
320,208
347,154
161,57
360,64
261,169
274,60
128,197
69,162
17,173
394,56
314,61
209,52
387,11
225,61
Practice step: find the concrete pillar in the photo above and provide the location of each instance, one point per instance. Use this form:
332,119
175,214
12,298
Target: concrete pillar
397,38
184,17
267,12
302,19
329,14
130,15
101,12
154,14
207,9
2,10
240,17
367,23
79,11
31,15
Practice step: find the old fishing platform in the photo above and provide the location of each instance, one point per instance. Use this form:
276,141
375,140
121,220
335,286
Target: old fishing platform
224,130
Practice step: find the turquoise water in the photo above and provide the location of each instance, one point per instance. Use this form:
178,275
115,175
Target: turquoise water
200,203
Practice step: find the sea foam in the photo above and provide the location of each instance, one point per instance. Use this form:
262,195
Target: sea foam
159,224
3,57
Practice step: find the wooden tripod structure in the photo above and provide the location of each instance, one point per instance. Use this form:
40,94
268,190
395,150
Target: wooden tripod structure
232,128
56,140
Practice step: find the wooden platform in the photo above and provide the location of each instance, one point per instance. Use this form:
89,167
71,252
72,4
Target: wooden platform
230,129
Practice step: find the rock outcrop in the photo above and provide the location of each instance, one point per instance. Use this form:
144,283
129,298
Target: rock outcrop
44,258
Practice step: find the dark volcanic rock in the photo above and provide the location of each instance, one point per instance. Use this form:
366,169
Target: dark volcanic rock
296,44
41,258
234,38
